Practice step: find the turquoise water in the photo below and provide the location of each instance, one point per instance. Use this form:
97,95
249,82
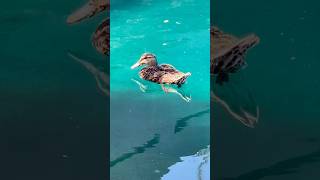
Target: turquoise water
151,130
282,78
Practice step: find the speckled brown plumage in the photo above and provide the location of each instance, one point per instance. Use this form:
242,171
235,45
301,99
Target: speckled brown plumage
91,8
227,52
227,56
101,37
163,74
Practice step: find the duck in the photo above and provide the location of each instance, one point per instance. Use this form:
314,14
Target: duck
228,53
101,37
160,74
227,56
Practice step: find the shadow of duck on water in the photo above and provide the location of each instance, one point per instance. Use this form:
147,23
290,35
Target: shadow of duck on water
137,150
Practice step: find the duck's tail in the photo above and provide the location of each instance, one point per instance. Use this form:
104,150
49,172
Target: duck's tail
88,10
247,42
183,79
187,74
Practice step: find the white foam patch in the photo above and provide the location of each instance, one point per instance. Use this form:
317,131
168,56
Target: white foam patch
195,167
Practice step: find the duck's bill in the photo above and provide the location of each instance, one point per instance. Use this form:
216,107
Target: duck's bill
84,12
135,65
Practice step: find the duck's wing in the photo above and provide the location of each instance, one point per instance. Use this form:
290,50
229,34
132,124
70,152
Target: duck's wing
232,59
101,37
90,9
172,76
240,47
152,74
221,41
168,67
228,52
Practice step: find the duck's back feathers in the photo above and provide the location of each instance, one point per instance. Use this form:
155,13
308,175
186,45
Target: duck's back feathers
228,52
151,73
101,37
88,10
167,66
221,41
163,74
231,59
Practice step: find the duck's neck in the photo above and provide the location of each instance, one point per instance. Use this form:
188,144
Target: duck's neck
153,63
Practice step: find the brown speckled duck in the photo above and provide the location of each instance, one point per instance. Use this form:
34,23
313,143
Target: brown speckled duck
161,74
227,56
228,53
101,37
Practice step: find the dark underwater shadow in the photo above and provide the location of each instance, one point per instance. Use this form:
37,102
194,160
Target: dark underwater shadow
137,150
237,100
183,122
288,166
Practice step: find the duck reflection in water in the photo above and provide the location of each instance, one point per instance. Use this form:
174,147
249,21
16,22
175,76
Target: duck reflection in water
228,53
169,89
102,79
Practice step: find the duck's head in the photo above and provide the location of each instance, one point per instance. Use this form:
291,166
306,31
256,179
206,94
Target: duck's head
147,59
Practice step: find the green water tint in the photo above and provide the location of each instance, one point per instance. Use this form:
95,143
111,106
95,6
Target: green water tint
282,79
52,117
286,167
140,109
